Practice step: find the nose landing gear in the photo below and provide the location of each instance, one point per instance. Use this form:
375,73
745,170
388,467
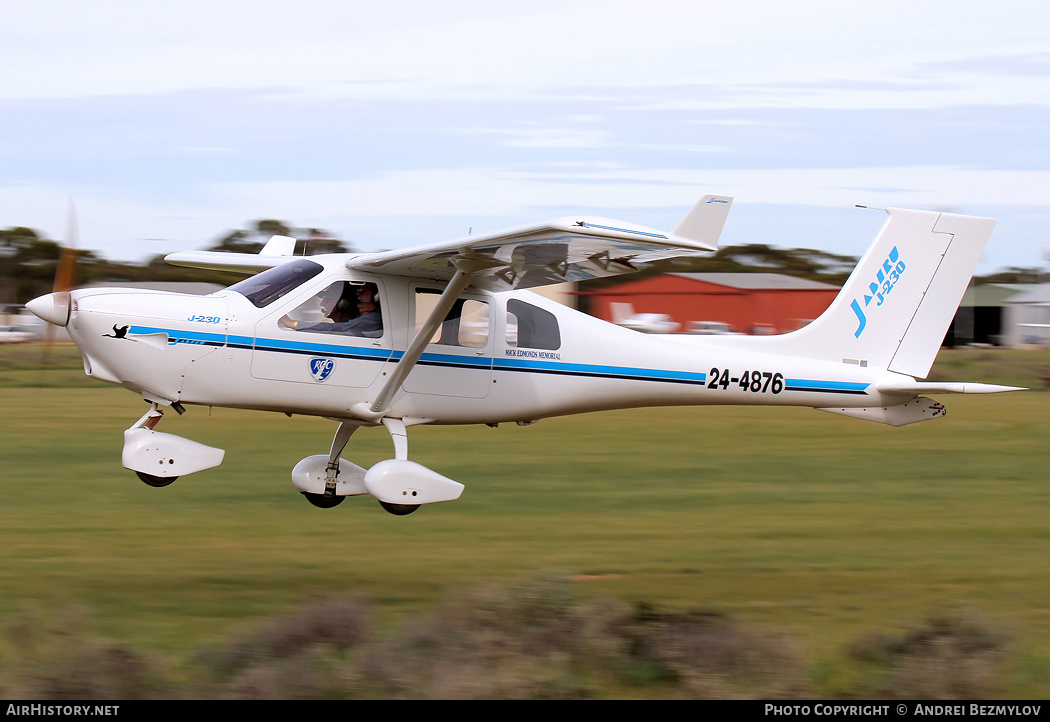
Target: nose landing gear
159,459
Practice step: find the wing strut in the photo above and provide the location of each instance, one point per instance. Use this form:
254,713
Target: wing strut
465,269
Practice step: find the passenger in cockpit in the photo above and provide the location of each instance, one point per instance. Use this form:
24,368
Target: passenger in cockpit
351,310
368,321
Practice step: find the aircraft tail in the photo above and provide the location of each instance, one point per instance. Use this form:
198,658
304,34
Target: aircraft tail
621,311
896,306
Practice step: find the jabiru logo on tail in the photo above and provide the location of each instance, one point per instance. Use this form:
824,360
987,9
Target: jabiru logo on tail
892,270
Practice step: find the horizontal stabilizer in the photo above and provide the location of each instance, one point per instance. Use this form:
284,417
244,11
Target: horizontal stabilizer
926,387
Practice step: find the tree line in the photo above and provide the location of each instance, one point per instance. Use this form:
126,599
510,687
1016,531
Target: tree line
29,261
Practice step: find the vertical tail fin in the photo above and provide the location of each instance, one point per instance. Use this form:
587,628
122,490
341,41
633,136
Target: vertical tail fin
897,304
703,225
621,311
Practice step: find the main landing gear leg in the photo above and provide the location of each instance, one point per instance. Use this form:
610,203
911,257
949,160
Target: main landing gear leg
402,486
399,436
329,499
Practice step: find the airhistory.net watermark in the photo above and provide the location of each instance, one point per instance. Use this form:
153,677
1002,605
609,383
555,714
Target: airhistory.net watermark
62,710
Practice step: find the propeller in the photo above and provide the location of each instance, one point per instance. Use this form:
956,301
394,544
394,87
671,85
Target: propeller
55,308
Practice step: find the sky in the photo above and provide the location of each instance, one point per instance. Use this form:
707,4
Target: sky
401,123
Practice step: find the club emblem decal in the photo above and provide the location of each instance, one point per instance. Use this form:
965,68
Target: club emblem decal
321,368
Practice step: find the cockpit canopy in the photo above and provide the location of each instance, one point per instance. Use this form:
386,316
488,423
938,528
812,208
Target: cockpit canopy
264,288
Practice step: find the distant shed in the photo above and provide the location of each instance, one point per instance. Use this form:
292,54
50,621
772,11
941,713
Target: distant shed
1028,317
770,302
982,315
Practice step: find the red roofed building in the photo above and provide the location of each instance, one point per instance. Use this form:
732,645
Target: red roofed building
750,302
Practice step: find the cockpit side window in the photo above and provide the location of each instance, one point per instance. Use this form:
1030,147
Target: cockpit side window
531,327
264,288
347,308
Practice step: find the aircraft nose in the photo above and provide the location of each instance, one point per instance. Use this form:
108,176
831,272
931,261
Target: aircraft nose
53,308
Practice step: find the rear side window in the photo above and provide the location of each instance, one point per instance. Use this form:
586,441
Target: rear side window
466,324
264,288
531,327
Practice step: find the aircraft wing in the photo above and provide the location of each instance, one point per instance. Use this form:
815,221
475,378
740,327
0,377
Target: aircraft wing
278,250
567,249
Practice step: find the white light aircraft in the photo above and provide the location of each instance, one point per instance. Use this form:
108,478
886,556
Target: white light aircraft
449,334
623,315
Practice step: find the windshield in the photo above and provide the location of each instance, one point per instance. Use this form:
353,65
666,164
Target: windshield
264,288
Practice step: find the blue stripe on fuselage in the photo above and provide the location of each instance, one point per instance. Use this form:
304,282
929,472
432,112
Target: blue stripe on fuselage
596,371
826,387
515,365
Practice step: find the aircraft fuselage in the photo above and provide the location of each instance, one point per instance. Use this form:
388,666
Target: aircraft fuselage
517,357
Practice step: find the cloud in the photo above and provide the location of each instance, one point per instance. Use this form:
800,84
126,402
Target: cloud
1035,64
476,49
496,192
399,122
551,137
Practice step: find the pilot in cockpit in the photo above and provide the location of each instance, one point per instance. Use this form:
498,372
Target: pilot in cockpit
350,309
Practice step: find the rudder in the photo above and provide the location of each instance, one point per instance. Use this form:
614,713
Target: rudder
918,349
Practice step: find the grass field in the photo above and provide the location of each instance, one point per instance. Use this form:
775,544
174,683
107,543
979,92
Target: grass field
821,528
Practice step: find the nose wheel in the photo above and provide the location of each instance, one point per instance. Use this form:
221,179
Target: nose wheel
150,421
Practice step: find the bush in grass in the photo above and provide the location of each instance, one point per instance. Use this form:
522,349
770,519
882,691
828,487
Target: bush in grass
946,657
529,641
288,657
710,656
58,661
538,641
534,640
